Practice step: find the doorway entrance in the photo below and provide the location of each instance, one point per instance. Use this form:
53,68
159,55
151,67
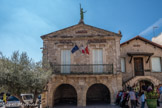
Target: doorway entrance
98,94
65,95
145,85
138,66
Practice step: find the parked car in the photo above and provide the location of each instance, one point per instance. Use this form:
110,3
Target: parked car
1,103
13,102
27,98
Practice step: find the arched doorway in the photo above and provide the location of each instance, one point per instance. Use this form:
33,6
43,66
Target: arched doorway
143,85
65,94
98,94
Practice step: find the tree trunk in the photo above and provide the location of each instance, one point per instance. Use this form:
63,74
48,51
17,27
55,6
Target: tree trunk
21,101
20,98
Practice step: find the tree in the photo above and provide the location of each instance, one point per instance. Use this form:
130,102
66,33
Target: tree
20,74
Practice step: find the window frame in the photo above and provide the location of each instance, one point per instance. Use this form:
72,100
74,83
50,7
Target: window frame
160,64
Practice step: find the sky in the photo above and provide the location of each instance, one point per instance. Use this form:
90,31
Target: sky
22,22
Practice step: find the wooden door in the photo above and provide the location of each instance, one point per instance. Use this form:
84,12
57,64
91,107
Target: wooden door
138,66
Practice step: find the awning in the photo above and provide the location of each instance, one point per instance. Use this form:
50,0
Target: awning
131,54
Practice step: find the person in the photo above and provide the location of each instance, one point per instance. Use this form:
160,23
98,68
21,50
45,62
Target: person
137,97
142,98
4,98
122,99
118,97
149,88
132,98
160,89
125,100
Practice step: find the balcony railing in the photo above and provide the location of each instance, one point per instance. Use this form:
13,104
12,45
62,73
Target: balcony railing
82,68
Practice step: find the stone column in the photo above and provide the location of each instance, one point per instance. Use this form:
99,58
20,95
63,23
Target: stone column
112,100
50,100
81,100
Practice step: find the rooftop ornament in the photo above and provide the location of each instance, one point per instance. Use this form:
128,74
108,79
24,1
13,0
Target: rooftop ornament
81,14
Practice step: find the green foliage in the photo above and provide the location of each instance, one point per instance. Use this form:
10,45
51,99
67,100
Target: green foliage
152,94
20,74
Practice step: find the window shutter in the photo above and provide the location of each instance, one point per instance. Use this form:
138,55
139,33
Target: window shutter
156,64
65,61
98,60
123,64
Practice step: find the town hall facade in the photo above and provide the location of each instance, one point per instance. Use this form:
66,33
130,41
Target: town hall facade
90,65
82,77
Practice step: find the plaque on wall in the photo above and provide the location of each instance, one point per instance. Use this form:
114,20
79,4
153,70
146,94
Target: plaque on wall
136,45
81,31
97,41
65,41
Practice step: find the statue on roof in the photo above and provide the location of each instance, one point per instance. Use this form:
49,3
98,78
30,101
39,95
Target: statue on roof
82,13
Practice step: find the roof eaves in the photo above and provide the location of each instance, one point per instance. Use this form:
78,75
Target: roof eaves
44,36
143,39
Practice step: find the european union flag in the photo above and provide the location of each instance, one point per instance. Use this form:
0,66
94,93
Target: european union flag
74,49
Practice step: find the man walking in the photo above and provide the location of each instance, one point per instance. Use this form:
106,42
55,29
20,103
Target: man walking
132,96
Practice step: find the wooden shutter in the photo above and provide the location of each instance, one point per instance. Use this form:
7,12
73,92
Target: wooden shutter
98,60
156,64
65,61
123,64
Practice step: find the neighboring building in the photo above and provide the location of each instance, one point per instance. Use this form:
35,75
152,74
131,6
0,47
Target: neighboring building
141,62
82,78
158,39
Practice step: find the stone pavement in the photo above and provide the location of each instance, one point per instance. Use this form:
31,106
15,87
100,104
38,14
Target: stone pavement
89,106
96,106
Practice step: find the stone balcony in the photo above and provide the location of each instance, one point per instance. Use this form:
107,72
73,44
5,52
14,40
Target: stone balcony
82,68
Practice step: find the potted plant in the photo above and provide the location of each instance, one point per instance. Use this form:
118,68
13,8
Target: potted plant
151,98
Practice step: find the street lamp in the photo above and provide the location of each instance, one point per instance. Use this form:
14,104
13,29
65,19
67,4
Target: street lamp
154,30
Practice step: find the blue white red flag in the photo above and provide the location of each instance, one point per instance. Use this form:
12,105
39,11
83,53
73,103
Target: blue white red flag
75,48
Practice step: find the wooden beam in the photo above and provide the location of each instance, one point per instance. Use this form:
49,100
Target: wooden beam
148,59
131,59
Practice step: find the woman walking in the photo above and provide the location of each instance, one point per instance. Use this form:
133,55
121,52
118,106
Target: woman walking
143,100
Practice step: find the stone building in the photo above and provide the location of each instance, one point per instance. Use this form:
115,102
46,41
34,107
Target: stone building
141,62
90,65
90,74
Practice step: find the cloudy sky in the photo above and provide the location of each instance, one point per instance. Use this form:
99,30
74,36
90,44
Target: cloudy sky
22,22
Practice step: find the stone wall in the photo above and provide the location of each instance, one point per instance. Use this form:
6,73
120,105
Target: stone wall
81,83
110,46
94,38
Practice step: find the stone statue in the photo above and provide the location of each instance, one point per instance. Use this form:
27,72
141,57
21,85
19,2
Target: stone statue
119,32
82,13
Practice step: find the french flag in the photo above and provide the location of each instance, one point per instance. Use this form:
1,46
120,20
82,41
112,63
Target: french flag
75,49
82,49
86,50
